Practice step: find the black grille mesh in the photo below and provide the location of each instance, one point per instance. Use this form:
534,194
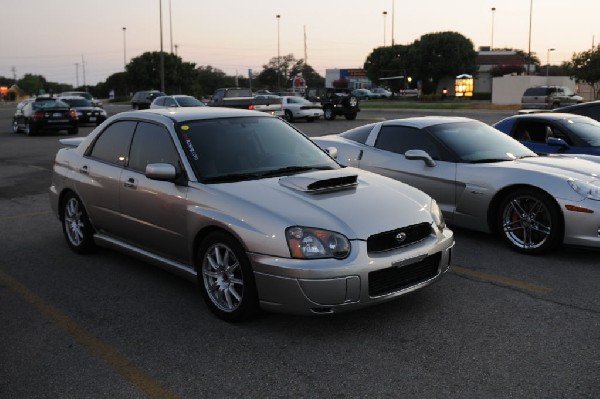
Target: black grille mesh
387,241
394,279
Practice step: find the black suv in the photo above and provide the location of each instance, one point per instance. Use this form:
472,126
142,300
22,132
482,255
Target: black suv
335,102
142,99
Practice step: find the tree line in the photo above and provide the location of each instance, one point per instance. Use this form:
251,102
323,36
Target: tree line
427,60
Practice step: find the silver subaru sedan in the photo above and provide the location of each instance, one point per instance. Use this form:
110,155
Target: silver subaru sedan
250,208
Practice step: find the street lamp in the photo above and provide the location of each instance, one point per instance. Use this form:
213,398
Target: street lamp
384,15
171,26
393,17
278,56
162,56
124,47
493,12
548,60
529,48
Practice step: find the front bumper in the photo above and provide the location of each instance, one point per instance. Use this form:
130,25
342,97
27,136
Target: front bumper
581,228
328,286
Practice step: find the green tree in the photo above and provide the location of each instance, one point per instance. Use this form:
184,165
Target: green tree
585,67
386,62
437,55
33,84
143,72
208,79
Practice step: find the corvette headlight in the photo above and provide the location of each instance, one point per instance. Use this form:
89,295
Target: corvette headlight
589,189
311,243
437,215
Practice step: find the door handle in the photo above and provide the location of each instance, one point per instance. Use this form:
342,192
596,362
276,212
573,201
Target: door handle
130,183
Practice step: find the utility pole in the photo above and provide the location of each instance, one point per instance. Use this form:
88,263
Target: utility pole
77,74
162,56
83,71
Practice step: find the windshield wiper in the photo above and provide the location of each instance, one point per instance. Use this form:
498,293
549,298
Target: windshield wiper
288,170
233,177
491,160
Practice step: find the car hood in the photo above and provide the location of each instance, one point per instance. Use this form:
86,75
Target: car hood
327,200
563,165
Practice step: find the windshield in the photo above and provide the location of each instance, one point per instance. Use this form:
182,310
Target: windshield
475,141
189,102
49,104
78,102
233,149
587,129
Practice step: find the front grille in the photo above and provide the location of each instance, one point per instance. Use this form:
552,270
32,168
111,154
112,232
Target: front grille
389,240
394,279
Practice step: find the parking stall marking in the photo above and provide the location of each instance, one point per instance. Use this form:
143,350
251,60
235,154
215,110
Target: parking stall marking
506,281
119,363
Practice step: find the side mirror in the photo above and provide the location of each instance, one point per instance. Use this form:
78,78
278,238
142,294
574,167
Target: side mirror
160,171
420,154
332,151
556,142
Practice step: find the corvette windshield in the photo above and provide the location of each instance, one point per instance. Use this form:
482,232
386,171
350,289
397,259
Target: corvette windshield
586,129
476,142
233,149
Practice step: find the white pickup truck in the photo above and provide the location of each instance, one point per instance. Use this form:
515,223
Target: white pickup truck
237,97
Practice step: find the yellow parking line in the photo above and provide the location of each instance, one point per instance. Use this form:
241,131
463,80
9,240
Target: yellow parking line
21,215
116,361
494,278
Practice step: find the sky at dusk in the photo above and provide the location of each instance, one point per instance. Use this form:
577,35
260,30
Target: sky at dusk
50,37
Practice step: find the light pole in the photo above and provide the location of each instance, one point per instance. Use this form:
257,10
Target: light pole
77,74
176,45
393,17
162,57
529,48
278,56
493,12
548,60
171,26
124,47
384,18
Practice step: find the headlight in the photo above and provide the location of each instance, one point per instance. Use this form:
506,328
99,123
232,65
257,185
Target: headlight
436,214
589,189
311,243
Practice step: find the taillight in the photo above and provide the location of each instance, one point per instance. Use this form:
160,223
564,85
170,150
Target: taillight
251,106
38,115
73,114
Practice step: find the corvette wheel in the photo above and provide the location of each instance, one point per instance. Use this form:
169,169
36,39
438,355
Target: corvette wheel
226,279
530,221
288,116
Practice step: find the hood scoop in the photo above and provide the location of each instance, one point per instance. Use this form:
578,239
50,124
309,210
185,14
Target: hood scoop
318,182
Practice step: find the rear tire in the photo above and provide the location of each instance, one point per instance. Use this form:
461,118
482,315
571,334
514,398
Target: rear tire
77,228
30,129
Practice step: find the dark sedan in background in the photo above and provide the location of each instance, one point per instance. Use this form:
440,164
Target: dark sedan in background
554,133
87,112
45,114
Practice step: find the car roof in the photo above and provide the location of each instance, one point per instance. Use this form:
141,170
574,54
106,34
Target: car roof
421,122
547,116
191,113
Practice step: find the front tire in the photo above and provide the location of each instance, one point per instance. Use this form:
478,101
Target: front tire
328,113
226,279
76,225
530,221
288,116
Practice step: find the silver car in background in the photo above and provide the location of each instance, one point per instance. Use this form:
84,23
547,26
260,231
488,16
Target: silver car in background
482,179
250,208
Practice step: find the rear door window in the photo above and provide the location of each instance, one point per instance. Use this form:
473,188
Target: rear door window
112,145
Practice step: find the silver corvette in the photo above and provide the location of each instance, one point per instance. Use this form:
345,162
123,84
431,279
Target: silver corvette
250,208
482,179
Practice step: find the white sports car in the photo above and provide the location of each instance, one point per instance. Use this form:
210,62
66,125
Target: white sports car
482,179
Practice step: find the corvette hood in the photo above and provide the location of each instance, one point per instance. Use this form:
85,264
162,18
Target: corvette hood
353,202
567,166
